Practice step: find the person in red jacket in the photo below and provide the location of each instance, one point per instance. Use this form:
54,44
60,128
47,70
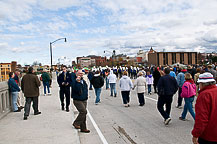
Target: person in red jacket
205,128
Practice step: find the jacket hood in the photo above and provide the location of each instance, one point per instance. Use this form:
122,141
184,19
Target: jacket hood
124,77
96,75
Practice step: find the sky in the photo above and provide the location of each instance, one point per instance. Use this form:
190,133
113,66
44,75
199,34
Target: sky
93,26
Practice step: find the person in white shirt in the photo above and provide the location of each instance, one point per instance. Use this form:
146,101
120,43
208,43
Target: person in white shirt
112,82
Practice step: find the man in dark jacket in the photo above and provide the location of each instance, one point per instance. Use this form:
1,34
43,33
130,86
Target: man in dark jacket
46,82
167,87
64,80
80,96
97,81
30,87
156,75
90,76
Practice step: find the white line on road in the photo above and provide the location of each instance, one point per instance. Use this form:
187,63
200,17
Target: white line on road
97,128
150,98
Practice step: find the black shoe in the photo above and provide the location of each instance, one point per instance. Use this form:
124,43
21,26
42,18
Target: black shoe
25,118
67,109
111,95
63,108
85,131
37,113
115,95
19,110
90,88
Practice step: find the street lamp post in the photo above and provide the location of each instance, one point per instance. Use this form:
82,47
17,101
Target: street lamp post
51,59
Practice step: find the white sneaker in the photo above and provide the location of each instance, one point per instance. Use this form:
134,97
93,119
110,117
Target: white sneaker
49,93
167,121
44,94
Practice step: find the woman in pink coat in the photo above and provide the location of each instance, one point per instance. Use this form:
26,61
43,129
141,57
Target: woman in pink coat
188,93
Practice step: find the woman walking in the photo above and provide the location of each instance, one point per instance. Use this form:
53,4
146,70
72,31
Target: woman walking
140,85
188,93
125,86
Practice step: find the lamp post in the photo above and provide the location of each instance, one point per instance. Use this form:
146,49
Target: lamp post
51,59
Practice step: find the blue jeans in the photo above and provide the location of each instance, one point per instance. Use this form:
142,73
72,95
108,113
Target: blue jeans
98,92
149,88
46,84
14,100
113,88
188,107
107,82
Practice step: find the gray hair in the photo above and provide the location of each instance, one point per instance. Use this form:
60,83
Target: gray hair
209,83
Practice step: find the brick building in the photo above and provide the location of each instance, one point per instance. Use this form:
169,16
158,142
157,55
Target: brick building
5,69
169,58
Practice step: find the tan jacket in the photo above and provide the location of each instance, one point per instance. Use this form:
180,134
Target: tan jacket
30,85
140,84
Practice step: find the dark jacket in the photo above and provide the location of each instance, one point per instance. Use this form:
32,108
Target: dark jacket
79,91
45,77
60,80
90,75
97,81
13,87
30,85
156,76
167,86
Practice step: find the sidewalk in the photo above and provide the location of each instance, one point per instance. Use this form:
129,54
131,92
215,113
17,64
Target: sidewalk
53,126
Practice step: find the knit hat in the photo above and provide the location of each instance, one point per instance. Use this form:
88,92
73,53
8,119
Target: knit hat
205,78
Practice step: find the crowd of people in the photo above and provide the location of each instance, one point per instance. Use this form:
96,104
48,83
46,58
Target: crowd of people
189,82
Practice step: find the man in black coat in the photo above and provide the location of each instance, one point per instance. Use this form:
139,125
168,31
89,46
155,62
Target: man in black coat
64,80
167,87
97,81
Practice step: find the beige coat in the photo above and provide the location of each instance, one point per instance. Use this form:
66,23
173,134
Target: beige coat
30,85
140,84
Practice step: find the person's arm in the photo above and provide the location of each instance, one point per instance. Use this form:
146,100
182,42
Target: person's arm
14,85
22,84
184,90
37,82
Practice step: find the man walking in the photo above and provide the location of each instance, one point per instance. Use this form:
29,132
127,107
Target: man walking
80,96
167,87
46,82
112,81
64,80
97,81
30,87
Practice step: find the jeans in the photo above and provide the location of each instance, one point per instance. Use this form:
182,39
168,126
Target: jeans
125,96
28,104
65,91
179,97
188,107
162,100
113,88
98,92
141,98
46,84
14,100
149,88
107,83
81,118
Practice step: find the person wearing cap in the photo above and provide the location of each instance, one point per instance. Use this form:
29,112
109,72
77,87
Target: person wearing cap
212,71
205,129
180,80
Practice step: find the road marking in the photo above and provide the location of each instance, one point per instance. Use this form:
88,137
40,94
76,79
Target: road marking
150,98
97,128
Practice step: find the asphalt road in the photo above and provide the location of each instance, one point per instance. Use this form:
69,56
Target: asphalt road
135,124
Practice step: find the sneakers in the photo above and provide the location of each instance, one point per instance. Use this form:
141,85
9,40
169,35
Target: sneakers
183,119
44,94
167,121
179,107
85,131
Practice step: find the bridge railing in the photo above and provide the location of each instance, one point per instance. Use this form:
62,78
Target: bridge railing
5,99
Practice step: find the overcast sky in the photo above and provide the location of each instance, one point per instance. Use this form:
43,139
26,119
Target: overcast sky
92,26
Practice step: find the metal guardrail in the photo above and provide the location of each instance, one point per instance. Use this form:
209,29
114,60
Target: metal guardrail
5,99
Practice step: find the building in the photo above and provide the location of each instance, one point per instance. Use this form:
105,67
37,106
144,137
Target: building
169,58
142,56
5,69
99,61
86,61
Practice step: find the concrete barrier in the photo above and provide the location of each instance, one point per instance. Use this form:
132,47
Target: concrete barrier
5,99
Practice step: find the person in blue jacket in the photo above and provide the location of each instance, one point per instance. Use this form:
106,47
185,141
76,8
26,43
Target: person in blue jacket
80,96
14,89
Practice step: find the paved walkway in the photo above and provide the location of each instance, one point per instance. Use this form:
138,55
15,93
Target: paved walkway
53,126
